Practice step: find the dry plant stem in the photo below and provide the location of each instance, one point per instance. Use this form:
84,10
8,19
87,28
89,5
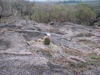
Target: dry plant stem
49,28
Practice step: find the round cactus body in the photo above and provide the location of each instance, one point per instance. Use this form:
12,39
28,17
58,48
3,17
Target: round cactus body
47,41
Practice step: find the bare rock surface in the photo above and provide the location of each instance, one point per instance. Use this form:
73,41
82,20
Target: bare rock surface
92,72
21,54
30,65
51,50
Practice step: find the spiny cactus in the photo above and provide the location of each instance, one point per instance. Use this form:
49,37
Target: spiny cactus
47,40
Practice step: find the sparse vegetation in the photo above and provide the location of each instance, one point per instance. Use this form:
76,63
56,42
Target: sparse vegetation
94,56
84,14
80,35
80,13
79,65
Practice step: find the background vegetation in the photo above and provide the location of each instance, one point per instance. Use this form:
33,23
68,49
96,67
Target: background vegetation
88,14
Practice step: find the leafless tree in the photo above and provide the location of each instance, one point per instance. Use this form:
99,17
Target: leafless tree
24,7
5,9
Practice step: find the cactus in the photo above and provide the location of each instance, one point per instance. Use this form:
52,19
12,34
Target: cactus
47,41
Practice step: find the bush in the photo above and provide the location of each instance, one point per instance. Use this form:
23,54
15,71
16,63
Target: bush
84,14
48,13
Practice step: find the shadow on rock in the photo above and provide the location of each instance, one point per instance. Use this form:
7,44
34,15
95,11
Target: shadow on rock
4,44
32,35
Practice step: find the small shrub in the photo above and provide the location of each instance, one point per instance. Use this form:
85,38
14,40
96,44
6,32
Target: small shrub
35,29
84,14
80,35
93,63
81,64
89,35
93,56
73,64
98,57
5,21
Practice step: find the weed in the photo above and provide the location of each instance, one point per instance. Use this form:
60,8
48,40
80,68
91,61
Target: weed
35,29
52,56
91,62
93,56
89,34
98,57
22,24
81,64
4,21
73,64
98,63
66,55
80,35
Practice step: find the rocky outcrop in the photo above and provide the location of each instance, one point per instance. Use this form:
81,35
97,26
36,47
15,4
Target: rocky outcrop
30,65
52,50
22,51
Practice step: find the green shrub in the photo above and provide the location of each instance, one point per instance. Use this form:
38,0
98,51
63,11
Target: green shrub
84,14
80,35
